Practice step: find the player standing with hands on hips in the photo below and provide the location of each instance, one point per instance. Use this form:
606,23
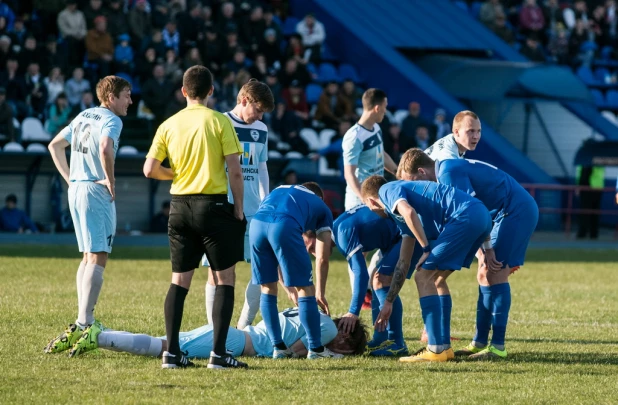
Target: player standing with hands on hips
93,136
199,142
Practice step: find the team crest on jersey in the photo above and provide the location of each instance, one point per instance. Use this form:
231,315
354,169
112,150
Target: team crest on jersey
255,135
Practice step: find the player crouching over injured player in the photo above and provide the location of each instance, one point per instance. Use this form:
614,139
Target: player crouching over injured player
252,341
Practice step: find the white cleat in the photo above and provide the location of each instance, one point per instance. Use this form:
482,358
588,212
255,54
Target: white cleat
284,354
323,355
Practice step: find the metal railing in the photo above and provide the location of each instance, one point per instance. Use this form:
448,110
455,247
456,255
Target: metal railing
571,192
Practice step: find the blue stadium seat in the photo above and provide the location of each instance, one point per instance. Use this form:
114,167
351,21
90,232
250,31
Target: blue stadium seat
597,96
347,71
312,69
600,74
327,73
612,99
606,52
289,26
328,54
588,46
586,75
475,9
313,92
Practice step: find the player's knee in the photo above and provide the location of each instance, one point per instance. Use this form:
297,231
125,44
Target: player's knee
306,291
225,277
381,281
269,289
98,258
499,277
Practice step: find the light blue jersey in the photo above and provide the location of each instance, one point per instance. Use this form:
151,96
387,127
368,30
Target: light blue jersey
363,148
84,134
93,212
198,342
254,141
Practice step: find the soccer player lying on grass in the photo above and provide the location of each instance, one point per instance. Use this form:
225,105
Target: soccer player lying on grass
456,223
250,341
514,213
276,240
358,231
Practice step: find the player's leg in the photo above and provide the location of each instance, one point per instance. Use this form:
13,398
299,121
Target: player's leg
209,292
446,306
251,305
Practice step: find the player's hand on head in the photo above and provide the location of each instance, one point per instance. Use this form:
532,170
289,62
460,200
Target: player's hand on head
383,317
347,323
421,261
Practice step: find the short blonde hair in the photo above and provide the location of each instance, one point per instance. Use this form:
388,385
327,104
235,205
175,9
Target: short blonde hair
257,92
111,85
460,117
412,160
371,186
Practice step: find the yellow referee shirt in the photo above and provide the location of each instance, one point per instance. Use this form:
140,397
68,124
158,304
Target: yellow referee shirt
196,141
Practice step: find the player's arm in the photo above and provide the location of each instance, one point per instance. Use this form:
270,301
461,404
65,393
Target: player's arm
290,291
154,170
399,277
57,149
322,253
389,164
413,222
349,172
358,265
106,150
264,180
234,172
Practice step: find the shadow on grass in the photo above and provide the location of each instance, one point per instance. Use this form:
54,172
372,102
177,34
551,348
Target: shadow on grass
571,255
565,341
564,358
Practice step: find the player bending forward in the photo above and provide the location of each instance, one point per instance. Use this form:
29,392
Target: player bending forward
251,341
93,136
514,213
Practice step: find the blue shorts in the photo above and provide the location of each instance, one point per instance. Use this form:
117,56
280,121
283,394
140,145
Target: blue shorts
512,232
94,216
390,257
461,238
247,246
279,243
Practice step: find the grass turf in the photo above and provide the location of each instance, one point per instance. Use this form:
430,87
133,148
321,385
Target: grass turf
562,338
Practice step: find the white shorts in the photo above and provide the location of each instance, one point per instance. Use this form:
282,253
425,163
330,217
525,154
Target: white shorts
247,251
94,216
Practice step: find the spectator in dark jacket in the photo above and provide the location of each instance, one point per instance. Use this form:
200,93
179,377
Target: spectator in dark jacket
6,117
500,28
532,50
158,223
157,92
270,48
409,125
117,19
333,107
12,219
37,91
288,126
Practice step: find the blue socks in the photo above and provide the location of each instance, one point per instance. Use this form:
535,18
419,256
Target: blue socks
446,305
310,319
270,313
483,317
378,337
395,323
501,297
432,317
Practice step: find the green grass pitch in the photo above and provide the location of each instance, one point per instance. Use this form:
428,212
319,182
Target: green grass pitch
562,338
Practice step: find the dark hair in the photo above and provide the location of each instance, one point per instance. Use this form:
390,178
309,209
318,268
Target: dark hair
315,188
371,186
11,198
259,93
373,97
355,342
412,160
197,82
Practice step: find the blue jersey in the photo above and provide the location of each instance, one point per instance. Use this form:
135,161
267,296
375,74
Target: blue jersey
291,331
360,230
498,191
363,148
436,204
298,203
84,134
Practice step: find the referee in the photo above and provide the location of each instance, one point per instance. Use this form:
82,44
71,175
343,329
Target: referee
199,142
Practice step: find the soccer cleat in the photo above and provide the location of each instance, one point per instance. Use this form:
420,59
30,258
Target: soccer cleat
489,353
425,356
65,340
468,350
227,361
284,354
367,302
88,341
450,354
323,355
371,345
174,361
392,350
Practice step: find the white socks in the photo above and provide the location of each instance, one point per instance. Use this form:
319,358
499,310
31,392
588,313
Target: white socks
251,306
249,309
142,345
91,284
210,299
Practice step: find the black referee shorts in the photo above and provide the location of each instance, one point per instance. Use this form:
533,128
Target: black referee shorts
201,224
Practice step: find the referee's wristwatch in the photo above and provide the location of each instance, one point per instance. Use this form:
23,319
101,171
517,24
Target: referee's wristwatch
427,249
